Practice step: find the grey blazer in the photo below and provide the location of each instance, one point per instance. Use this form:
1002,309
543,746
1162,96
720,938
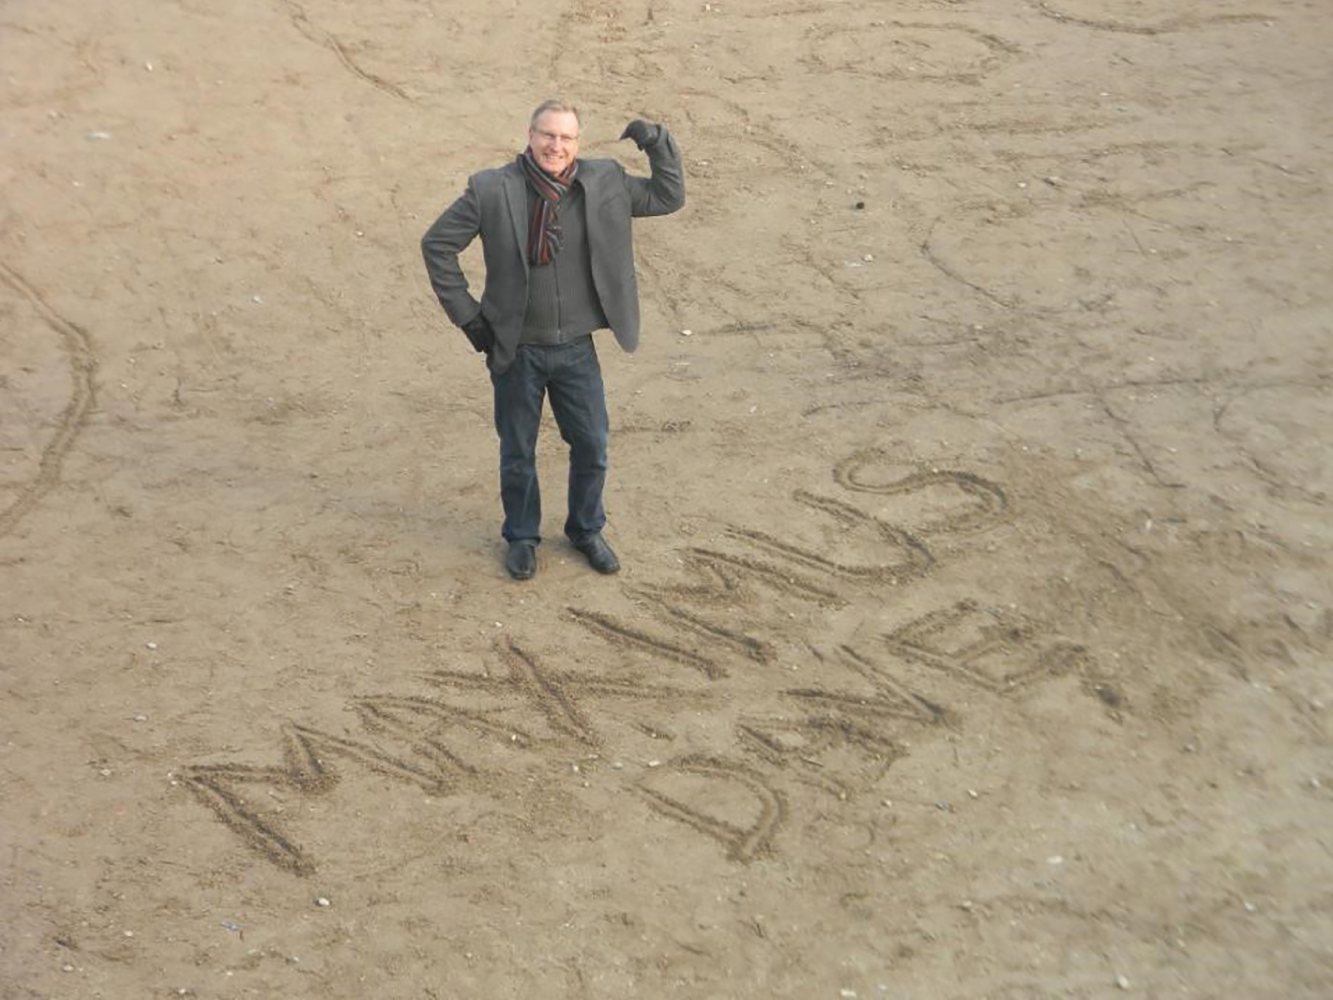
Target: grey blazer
495,205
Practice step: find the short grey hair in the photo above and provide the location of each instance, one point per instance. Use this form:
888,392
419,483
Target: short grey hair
564,107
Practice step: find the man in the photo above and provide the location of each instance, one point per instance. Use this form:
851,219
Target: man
555,232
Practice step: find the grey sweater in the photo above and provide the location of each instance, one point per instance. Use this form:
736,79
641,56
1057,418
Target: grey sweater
562,300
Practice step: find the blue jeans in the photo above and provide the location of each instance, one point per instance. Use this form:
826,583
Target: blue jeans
572,376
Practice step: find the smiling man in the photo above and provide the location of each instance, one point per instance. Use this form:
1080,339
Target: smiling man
556,236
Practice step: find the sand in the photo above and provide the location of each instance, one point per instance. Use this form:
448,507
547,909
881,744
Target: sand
972,485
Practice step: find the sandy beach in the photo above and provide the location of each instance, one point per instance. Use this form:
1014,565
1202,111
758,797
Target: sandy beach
972,485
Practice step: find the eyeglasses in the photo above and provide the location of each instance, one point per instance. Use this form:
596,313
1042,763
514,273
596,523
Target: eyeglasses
568,140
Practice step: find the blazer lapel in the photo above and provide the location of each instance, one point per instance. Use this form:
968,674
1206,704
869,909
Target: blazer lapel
517,197
593,190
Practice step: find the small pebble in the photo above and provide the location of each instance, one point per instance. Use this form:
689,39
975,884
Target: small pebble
869,258
1055,859
1122,982
67,968
324,901
687,333
860,204
151,645
654,763
140,717
98,135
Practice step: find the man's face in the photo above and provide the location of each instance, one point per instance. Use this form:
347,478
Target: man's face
554,139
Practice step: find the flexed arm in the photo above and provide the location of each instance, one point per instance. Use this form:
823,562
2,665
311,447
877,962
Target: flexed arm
663,192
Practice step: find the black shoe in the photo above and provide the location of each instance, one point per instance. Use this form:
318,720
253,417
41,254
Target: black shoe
600,556
521,560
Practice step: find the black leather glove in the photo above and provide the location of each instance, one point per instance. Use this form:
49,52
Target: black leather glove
479,331
643,133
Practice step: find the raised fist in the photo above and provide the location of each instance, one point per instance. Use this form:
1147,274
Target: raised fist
643,133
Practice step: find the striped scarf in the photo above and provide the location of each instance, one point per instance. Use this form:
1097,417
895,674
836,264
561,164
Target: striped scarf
544,229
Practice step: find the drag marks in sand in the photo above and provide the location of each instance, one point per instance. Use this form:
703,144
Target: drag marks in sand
992,648
743,843
968,502
1126,228
307,769
921,52
720,633
412,740
1072,12
556,695
78,346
